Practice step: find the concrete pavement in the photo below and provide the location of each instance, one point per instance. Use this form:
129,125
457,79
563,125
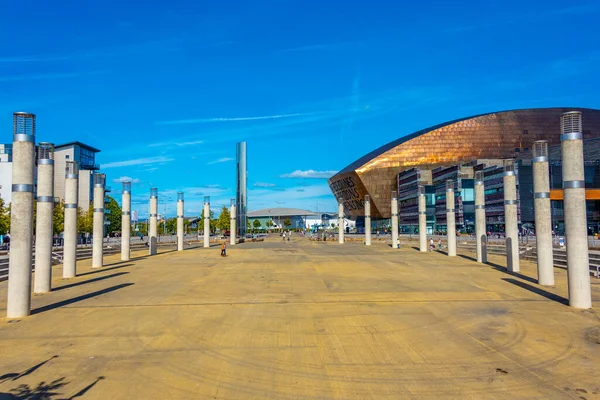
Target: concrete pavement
302,320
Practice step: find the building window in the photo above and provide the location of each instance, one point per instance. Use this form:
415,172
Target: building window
517,150
525,132
67,156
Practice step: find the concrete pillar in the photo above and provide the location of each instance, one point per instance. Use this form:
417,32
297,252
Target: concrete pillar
422,219
180,217
206,221
341,226
152,232
367,220
126,222
543,220
70,223
21,217
511,221
394,220
45,216
98,231
575,212
480,223
450,218
232,227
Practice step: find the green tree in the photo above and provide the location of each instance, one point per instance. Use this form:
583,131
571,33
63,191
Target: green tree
113,216
223,222
85,220
4,217
287,222
58,218
269,224
256,224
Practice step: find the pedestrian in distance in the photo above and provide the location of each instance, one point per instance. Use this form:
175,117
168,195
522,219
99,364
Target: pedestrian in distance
224,249
431,245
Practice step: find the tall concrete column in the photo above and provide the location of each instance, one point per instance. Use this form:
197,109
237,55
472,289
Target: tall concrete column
21,216
98,231
232,227
180,217
450,218
70,222
152,234
126,222
367,220
394,219
206,221
511,221
578,272
422,219
341,226
543,220
45,216
480,224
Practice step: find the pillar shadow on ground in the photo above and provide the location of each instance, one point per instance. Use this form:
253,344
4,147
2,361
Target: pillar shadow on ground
104,269
79,298
468,257
500,268
100,278
541,292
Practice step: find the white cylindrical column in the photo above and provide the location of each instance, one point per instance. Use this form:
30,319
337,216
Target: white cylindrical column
543,219
578,272
152,234
206,221
126,222
394,220
367,220
70,224
180,211
21,216
480,224
511,221
450,218
341,225
45,216
232,227
98,231
422,219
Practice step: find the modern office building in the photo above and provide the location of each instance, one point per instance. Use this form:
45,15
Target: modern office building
85,156
241,196
6,172
498,135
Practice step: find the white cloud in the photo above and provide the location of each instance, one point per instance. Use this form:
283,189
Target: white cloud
263,184
231,119
310,174
178,144
126,179
220,160
137,161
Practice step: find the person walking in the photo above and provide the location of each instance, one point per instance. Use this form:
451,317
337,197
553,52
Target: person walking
431,245
224,249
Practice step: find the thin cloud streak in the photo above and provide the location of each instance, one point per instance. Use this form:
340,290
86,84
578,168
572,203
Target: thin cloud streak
137,161
178,144
51,76
232,119
220,160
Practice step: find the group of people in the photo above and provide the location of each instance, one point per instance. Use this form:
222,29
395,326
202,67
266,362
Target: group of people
432,245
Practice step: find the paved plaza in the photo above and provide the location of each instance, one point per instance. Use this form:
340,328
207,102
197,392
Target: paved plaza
301,320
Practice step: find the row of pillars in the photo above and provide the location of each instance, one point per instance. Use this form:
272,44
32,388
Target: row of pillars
574,206
21,218
153,221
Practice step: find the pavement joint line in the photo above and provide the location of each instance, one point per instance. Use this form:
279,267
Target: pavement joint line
285,302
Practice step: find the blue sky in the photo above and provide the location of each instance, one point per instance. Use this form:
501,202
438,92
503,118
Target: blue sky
166,89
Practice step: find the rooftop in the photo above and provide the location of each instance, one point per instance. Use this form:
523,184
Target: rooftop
77,143
280,212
